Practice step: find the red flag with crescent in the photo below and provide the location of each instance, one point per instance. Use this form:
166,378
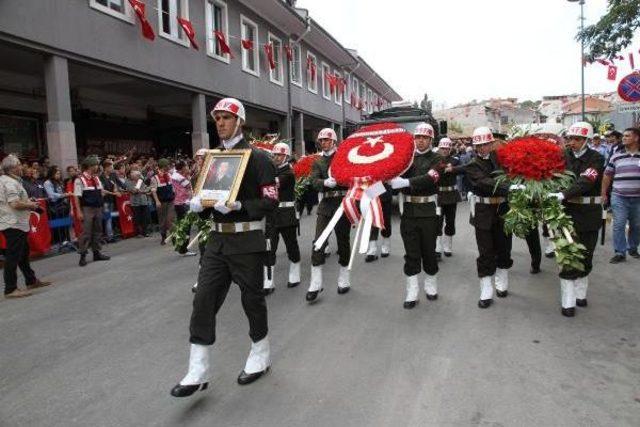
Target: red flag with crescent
39,236
189,31
268,49
222,43
612,72
147,29
125,215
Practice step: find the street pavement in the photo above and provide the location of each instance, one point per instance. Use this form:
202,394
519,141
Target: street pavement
105,344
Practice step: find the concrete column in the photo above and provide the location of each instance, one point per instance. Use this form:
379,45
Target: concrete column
199,134
298,143
338,130
61,132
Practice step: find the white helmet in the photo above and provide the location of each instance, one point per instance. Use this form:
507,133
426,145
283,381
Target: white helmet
328,133
201,152
230,105
424,129
581,129
281,148
482,135
445,143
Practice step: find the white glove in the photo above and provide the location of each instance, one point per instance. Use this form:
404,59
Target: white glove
195,204
330,182
399,182
517,187
435,176
222,207
558,196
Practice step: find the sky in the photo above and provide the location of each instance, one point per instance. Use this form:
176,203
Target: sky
460,50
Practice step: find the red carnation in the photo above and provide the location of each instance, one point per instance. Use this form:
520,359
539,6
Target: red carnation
531,158
302,168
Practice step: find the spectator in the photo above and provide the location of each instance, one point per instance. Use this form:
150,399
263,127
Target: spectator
614,141
623,169
139,202
109,200
15,209
183,193
163,195
597,145
58,204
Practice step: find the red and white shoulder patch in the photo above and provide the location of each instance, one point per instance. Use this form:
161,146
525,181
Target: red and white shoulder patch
269,191
591,174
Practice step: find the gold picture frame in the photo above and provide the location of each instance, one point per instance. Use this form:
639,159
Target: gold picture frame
218,182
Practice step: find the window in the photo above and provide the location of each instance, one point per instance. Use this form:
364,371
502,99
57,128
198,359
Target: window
217,20
117,8
296,64
370,101
337,95
250,57
355,90
347,89
363,96
326,91
312,73
276,75
168,13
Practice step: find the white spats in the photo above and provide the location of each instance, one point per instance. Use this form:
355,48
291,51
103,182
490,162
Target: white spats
259,357
447,244
502,279
549,247
486,288
344,278
385,248
268,282
581,286
567,293
294,272
373,248
198,365
412,289
439,244
316,278
431,285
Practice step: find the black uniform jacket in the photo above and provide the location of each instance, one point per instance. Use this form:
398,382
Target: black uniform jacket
320,172
286,217
448,179
479,172
588,169
258,195
421,184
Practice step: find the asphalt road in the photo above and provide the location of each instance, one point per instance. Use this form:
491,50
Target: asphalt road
104,346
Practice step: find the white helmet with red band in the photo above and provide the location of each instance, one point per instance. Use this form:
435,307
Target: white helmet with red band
328,133
445,143
424,129
230,105
482,135
281,148
581,129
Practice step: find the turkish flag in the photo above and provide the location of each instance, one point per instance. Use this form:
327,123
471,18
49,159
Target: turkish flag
125,215
39,236
77,224
3,241
147,30
311,67
247,44
222,43
189,31
354,101
631,61
289,50
612,72
268,49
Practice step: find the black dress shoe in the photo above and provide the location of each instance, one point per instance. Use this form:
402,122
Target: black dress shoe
98,256
432,297
83,260
568,312
581,302
448,254
485,303
187,390
617,259
244,378
550,255
383,255
634,254
269,291
370,258
502,294
342,291
312,295
410,304
534,270
194,288
292,285
438,256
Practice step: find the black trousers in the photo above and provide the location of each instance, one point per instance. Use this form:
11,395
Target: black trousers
589,239
494,249
217,271
533,243
16,256
342,232
289,235
181,212
141,218
419,238
387,209
448,220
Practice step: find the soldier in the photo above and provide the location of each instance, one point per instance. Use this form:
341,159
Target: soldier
419,220
488,206
88,199
284,221
332,195
235,251
448,198
386,200
584,204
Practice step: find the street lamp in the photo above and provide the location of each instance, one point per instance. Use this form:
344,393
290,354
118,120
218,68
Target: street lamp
581,3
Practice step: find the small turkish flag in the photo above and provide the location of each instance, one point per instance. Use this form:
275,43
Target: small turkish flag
222,43
125,215
247,44
147,30
188,30
268,49
311,66
39,236
631,61
289,50
612,72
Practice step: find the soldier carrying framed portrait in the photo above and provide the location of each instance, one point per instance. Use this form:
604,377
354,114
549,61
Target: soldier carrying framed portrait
221,176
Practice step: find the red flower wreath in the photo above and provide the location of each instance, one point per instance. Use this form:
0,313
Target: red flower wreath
531,158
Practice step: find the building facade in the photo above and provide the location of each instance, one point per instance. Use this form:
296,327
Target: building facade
78,77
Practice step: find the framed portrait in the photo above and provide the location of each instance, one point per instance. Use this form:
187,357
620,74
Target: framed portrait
221,176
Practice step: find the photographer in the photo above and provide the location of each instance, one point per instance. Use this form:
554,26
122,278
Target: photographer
15,210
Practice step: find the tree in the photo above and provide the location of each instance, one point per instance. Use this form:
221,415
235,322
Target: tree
613,32
426,104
